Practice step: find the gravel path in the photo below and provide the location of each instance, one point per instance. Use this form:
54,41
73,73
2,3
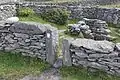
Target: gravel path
51,74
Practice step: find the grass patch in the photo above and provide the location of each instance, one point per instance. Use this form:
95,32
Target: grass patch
78,73
37,18
16,66
115,32
111,6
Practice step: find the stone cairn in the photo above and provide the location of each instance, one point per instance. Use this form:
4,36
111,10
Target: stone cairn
91,29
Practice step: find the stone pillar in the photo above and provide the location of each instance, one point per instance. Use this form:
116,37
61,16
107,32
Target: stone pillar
51,55
66,53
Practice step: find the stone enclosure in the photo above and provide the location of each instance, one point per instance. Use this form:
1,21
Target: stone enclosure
30,39
41,40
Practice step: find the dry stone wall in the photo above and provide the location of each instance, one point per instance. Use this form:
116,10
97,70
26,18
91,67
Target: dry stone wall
111,15
7,10
78,11
30,39
98,55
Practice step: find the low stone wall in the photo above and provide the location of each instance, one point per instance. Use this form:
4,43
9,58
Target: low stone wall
110,15
30,39
7,10
103,55
78,11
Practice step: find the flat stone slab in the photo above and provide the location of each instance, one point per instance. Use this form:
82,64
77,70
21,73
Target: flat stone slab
98,46
30,28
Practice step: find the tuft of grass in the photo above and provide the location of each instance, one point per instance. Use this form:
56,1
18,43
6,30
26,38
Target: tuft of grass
79,73
115,31
16,66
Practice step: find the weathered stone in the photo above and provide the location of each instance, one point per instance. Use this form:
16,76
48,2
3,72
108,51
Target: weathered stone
20,35
12,20
84,27
81,54
98,46
118,46
98,66
81,58
66,53
29,28
111,55
97,55
27,40
58,63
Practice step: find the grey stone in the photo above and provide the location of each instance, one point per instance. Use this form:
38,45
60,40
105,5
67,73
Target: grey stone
66,53
27,40
98,46
20,35
83,63
30,28
81,54
112,55
58,63
51,47
81,58
98,66
118,46
97,55
84,27
12,20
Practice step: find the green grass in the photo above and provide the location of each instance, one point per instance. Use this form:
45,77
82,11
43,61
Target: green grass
15,66
78,73
36,18
115,32
111,6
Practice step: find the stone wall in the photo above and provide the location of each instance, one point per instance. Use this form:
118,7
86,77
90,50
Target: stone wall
30,39
79,11
100,2
111,15
98,55
6,1
7,10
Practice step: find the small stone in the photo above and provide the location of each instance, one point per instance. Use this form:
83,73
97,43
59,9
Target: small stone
58,63
27,40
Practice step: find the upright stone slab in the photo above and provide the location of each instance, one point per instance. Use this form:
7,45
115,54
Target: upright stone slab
50,49
66,53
